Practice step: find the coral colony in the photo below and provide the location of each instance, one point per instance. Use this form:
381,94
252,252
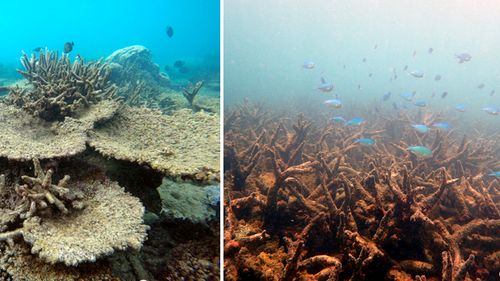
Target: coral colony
68,211
305,200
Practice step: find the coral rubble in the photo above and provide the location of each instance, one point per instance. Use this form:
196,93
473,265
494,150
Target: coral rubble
305,201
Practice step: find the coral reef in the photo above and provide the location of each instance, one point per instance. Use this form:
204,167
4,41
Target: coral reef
305,201
80,214
59,87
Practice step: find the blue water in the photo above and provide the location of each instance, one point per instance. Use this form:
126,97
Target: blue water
100,27
266,43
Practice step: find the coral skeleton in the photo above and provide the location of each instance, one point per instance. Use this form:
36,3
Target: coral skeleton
304,201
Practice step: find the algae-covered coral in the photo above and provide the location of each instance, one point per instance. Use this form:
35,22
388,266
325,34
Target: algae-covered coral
306,201
69,207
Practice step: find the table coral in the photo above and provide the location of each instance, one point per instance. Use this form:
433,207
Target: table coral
110,220
67,233
184,144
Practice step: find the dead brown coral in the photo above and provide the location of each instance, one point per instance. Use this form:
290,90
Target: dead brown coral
60,87
386,212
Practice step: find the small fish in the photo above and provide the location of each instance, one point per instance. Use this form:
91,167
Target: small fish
463,57
365,141
405,68
308,65
363,60
414,53
387,96
375,47
421,151
430,50
395,106
417,74
179,63
492,110
325,86
420,103
441,125
359,87
356,121
37,49
433,94
480,86
370,75
395,76
338,119
460,107
444,94
68,47
492,93
494,174
421,128
437,77
343,66
335,103
407,96
170,31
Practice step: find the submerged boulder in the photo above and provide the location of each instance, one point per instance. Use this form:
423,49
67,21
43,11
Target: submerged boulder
135,63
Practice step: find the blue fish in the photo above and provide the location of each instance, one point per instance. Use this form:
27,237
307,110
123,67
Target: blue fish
365,141
339,119
407,96
463,57
335,103
325,86
421,151
420,103
417,74
441,125
308,65
460,107
492,110
495,174
421,128
356,121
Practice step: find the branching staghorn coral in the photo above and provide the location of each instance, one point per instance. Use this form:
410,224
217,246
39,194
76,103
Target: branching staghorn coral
371,212
60,87
38,193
